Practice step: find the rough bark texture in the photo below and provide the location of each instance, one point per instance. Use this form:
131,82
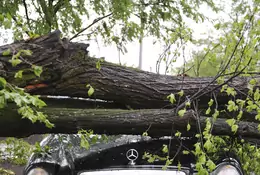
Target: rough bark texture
157,122
68,68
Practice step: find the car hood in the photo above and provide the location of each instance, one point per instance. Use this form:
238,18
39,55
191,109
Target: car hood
66,154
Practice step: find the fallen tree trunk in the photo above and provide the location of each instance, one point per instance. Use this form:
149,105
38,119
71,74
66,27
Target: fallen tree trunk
68,68
157,122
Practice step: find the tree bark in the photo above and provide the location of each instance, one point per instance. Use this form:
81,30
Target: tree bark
157,122
68,69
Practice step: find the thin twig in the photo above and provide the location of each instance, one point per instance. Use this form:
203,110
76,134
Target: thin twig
58,5
231,78
197,117
205,55
196,95
18,24
179,99
27,15
216,107
94,22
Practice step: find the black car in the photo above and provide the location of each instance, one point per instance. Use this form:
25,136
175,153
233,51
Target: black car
124,154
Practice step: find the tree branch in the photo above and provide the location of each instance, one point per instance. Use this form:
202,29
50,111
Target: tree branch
116,121
68,70
94,22
27,15
58,5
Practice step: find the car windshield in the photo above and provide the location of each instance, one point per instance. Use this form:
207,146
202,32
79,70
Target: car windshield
133,172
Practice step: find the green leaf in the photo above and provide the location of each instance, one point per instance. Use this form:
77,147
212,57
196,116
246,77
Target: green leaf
257,117
178,134
231,91
37,70
216,114
7,52
202,159
185,152
91,90
211,165
256,95
165,148
181,93
232,106
208,145
188,126
181,112
16,56
252,82
224,87
2,82
15,62
145,134
98,63
208,111
2,102
171,98
84,143
179,166
26,52
18,101
37,102
19,74
231,122
187,104
48,124
239,116
1,18
240,102
234,128
210,103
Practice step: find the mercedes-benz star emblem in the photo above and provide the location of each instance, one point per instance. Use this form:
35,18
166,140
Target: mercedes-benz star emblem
132,155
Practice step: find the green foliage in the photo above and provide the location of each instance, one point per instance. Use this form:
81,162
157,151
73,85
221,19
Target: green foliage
16,151
188,127
145,134
98,63
178,134
88,138
19,74
232,124
6,52
26,103
2,82
165,149
37,70
91,90
43,150
6,172
171,98
122,26
181,93
185,152
181,112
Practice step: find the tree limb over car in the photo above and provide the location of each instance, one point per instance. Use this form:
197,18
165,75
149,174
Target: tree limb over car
67,69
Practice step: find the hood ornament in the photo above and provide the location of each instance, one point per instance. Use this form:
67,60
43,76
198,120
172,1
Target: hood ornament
132,155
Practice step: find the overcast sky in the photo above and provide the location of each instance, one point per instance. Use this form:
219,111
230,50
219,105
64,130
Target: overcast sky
152,51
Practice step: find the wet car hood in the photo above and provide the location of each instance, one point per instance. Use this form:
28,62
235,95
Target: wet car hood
66,156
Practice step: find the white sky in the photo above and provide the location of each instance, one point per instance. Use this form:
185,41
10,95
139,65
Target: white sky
151,51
